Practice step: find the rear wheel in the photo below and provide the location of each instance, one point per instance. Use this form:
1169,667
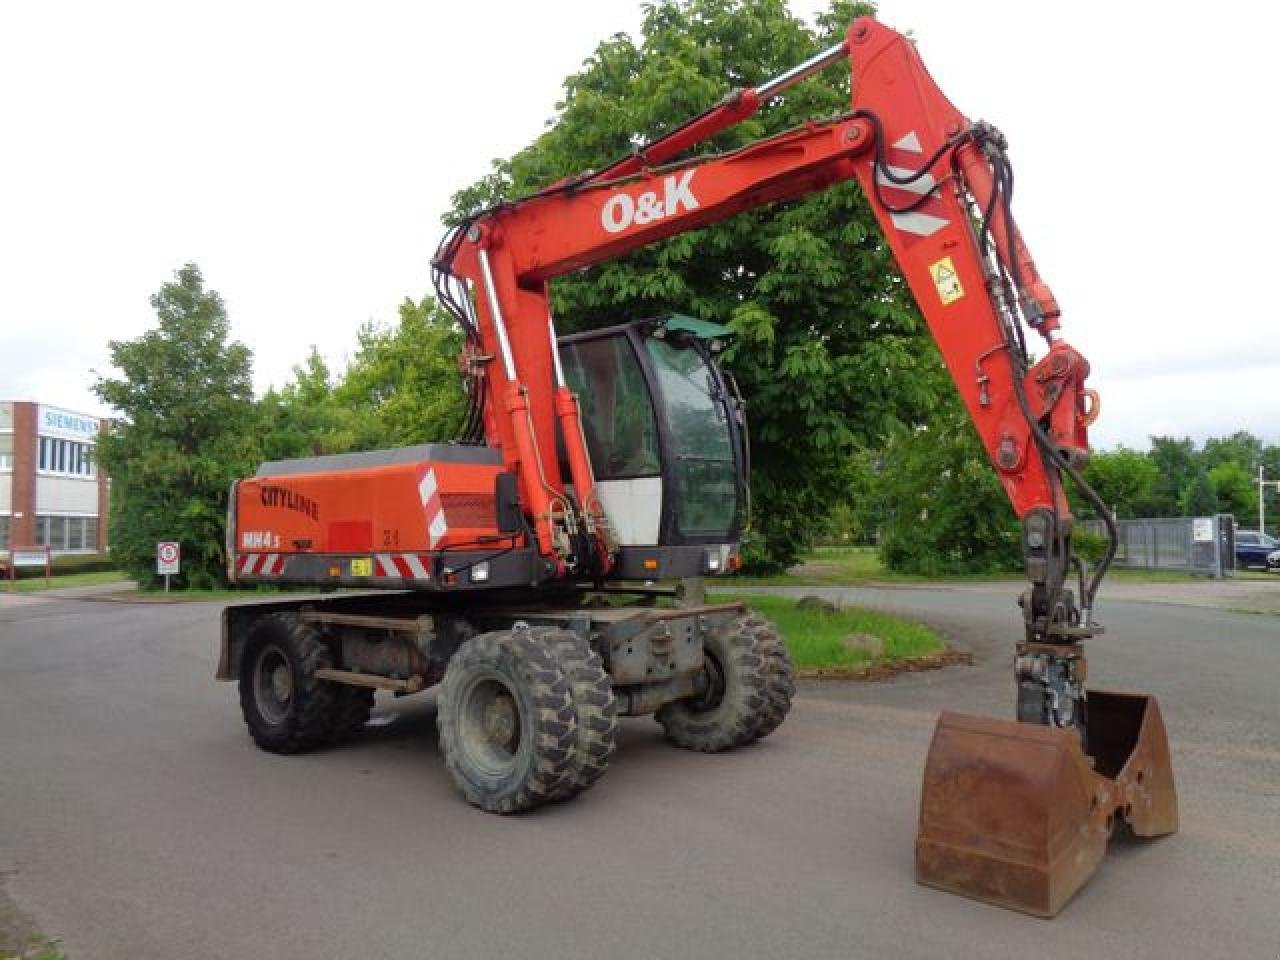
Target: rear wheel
742,684
506,719
285,707
594,708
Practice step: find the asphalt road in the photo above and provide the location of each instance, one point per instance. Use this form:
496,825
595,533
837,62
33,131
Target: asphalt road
138,821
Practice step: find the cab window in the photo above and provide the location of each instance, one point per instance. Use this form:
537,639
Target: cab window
617,413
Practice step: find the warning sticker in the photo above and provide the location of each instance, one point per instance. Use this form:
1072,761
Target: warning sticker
362,566
946,280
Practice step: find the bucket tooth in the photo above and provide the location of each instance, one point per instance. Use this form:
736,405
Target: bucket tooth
1017,815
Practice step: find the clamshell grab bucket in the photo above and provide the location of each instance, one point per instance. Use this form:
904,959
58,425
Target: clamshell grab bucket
1018,815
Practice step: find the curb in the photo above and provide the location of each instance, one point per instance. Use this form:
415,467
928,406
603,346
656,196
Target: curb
888,669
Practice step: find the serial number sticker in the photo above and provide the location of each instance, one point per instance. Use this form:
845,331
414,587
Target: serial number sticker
362,566
946,280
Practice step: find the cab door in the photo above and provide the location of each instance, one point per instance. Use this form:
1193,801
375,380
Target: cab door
621,431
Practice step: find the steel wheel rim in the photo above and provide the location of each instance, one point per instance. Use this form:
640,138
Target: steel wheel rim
491,725
713,696
272,684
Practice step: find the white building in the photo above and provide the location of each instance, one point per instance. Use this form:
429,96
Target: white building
51,491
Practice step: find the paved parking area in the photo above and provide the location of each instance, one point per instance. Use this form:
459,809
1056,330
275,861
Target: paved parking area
138,821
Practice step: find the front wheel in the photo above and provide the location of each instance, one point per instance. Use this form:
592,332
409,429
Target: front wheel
507,726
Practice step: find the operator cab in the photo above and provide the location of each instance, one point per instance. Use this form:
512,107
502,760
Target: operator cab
666,433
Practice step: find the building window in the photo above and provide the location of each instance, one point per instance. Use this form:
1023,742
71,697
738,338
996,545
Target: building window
67,533
66,457
6,451
4,533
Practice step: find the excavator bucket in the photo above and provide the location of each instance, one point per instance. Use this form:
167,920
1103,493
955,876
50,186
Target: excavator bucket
1018,815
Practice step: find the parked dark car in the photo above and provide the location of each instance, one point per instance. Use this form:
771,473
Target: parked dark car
1254,549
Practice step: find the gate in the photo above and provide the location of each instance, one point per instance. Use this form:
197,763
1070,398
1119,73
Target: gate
1193,545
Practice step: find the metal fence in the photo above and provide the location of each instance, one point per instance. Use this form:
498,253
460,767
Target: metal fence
1195,545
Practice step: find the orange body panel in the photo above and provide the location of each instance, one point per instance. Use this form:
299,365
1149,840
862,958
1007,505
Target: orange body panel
425,506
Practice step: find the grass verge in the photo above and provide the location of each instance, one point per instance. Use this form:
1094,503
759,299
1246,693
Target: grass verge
40,949
849,637
158,595
842,566
846,566
95,578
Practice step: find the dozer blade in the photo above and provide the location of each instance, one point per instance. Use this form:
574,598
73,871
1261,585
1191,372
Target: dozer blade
1017,815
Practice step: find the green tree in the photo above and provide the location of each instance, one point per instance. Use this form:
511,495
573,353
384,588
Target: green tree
1125,479
942,508
1241,447
1175,460
185,431
831,352
1199,498
403,386
1235,491
304,418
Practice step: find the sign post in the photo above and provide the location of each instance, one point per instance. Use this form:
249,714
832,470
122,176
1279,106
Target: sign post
168,560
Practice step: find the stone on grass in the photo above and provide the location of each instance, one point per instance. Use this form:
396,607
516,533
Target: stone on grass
869,643
812,602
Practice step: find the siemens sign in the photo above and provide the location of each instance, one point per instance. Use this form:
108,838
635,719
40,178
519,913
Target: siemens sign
66,425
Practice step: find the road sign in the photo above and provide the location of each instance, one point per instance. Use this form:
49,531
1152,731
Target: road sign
168,558
30,557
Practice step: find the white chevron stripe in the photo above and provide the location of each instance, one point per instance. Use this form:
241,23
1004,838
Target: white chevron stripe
269,564
921,186
910,142
437,528
251,564
427,486
415,564
386,566
922,224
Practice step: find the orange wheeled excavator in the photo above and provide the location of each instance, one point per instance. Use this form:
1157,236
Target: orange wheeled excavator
618,457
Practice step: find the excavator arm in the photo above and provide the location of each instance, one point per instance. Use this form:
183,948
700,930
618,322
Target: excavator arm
940,189
1014,813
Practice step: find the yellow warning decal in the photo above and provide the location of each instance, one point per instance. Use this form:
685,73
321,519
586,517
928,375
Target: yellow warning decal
362,566
946,280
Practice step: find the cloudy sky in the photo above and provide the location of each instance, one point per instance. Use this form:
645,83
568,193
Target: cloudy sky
302,154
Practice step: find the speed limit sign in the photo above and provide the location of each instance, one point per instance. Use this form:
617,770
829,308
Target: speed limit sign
168,557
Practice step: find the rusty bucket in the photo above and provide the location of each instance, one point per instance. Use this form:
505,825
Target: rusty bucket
1018,815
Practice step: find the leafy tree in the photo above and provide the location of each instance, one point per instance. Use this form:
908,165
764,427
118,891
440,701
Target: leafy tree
942,508
831,353
403,385
1125,479
1199,498
1241,447
304,418
1235,491
186,430
1175,462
